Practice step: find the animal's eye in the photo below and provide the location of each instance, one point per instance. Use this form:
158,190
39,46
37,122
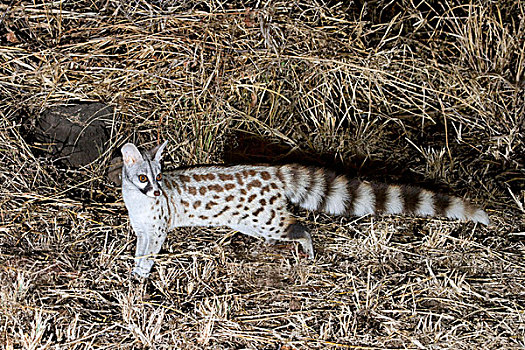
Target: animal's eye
159,177
143,178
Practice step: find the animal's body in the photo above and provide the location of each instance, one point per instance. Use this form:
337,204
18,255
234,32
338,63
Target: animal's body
253,200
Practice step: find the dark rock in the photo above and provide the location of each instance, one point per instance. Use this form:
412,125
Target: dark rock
74,134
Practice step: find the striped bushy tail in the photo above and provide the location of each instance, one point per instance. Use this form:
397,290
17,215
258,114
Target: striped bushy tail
318,189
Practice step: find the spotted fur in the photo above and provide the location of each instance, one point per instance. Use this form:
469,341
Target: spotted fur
253,200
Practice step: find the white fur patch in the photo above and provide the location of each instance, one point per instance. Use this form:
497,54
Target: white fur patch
295,183
301,182
456,209
316,193
480,216
337,195
394,204
364,202
426,203
289,185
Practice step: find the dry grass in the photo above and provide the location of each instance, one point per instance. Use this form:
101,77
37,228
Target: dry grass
396,91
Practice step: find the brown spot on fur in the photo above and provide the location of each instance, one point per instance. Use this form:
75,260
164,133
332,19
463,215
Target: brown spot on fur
239,206
216,196
203,217
235,213
216,188
273,199
168,185
192,190
226,177
184,178
191,216
229,186
265,189
245,216
202,190
242,199
263,201
279,175
229,198
243,191
196,204
210,205
252,172
168,207
272,216
265,175
239,179
255,183
258,211
274,186
245,173
209,176
184,203
197,177
223,210
251,198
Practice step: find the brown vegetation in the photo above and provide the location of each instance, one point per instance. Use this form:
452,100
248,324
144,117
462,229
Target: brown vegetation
398,91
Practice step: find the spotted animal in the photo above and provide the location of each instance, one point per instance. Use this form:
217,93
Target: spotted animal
253,199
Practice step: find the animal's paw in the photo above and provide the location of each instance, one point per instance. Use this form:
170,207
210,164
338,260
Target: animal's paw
142,269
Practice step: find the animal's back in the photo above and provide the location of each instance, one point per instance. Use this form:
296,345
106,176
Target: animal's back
252,190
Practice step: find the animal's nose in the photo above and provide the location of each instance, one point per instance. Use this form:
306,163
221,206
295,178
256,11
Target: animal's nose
156,193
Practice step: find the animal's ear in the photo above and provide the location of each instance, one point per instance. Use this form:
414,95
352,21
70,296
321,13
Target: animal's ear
130,154
156,153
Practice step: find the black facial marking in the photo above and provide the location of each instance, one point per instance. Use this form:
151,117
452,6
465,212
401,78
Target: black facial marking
146,189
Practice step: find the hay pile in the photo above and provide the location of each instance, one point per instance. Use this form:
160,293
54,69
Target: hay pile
393,91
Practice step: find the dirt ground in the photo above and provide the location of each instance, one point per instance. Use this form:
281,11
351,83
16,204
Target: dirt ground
425,93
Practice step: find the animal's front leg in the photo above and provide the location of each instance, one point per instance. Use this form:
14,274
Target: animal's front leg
141,247
142,243
148,245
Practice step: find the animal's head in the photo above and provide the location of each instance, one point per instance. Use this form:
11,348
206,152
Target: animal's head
142,169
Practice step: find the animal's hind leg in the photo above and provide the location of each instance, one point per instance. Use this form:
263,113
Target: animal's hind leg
296,232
